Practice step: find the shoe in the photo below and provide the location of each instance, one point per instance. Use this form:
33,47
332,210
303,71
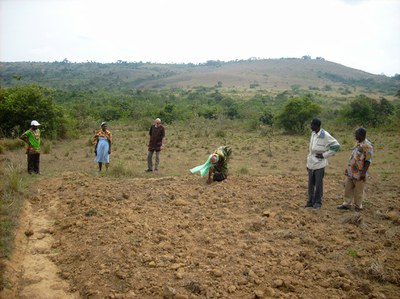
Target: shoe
308,205
149,170
357,209
156,169
317,206
343,207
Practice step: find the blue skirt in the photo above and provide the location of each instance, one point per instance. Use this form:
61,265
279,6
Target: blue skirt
102,151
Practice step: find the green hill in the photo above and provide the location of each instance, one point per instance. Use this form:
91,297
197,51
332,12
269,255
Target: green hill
273,75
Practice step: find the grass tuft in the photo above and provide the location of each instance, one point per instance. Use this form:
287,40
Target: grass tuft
47,148
244,170
119,170
12,181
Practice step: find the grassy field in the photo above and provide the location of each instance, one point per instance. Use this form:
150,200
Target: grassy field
256,153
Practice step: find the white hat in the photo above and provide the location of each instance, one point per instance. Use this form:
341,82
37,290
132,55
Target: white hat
34,123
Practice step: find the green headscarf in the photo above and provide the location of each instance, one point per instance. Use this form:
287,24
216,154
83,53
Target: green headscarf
203,169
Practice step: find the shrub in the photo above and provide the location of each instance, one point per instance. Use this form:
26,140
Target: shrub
364,111
13,144
20,104
296,113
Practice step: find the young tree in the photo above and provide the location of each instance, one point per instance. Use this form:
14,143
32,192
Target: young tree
296,113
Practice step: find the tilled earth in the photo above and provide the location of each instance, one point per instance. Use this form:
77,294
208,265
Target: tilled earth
177,237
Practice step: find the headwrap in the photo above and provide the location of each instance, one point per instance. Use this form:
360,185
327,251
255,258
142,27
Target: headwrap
203,169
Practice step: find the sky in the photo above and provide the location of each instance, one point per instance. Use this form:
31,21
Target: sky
362,34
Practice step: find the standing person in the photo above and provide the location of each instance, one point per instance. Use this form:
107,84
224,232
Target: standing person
102,145
156,143
32,138
216,165
322,145
356,171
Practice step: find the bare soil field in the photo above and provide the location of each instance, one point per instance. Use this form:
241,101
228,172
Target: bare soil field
129,235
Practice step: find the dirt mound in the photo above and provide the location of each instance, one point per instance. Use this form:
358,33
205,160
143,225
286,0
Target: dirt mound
176,237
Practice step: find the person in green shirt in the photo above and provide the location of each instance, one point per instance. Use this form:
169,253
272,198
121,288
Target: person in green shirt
32,138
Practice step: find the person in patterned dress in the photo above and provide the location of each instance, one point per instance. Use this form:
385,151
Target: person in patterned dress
356,172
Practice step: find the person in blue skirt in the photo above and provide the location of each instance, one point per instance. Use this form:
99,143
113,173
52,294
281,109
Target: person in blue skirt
102,141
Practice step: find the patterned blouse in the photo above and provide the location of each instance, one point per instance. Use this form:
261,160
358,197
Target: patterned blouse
100,133
361,152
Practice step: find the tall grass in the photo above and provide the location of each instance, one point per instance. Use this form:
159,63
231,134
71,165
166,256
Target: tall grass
11,144
11,199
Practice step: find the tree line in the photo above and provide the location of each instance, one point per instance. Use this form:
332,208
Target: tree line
65,113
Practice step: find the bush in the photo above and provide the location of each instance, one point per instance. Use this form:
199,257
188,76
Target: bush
12,144
296,113
364,111
21,104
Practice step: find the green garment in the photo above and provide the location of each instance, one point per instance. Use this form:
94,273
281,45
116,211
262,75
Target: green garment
222,153
203,169
33,141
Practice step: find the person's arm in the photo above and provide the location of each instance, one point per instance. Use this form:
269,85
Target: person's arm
24,138
95,141
163,139
332,147
109,143
363,172
210,171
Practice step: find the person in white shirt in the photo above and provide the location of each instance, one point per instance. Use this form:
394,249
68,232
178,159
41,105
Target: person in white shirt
322,146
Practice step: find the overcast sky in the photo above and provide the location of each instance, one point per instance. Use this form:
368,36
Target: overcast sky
362,34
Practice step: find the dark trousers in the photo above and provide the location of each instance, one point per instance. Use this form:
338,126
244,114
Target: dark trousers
315,187
33,162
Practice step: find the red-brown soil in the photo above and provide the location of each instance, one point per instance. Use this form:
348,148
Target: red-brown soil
177,237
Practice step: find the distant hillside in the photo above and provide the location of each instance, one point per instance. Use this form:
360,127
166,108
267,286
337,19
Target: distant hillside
274,75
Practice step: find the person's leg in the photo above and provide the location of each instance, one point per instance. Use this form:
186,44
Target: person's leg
30,163
100,166
319,187
359,187
157,160
348,192
311,185
36,163
150,160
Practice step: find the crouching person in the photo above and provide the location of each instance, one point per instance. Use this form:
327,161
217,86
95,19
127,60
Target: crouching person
216,165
